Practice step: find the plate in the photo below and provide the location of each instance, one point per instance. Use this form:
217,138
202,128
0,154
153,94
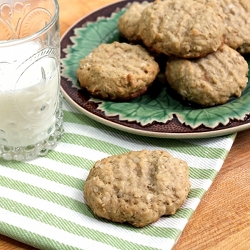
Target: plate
158,113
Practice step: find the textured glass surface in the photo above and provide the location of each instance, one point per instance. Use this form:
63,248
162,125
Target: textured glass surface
30,106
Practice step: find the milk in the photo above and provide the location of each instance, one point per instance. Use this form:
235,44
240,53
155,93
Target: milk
29,89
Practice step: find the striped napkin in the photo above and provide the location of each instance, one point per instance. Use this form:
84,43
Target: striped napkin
42,203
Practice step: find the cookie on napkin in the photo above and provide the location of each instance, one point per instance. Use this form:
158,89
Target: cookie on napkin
137,187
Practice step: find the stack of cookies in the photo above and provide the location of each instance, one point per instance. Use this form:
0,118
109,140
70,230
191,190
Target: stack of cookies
203,39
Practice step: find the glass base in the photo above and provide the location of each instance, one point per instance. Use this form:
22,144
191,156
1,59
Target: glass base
39,149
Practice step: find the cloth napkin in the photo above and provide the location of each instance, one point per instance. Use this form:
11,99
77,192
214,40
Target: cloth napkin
42,203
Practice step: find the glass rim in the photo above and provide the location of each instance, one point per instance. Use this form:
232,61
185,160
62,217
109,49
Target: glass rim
18,41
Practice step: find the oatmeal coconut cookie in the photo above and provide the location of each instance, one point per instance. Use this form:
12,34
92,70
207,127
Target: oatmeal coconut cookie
237,20
128,23
117,71
182,28
137,187
236,14
210,80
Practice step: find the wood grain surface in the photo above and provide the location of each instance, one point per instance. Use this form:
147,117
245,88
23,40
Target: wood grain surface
222,219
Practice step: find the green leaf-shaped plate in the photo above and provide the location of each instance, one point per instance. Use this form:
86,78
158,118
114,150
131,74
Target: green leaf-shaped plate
159,114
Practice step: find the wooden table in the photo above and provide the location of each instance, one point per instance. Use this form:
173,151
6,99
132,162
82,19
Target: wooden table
222,219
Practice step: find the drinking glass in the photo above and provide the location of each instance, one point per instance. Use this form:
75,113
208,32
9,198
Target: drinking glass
31,117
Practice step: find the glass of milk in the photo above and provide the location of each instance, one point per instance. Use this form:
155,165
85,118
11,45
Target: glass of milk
30,99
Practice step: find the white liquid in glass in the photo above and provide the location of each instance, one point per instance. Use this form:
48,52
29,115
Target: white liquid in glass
29,89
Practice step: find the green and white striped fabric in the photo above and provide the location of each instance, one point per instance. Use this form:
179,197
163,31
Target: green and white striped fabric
42,203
